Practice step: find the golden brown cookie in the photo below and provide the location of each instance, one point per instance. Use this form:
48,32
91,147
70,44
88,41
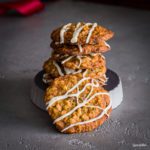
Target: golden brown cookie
47,78
52,68
102,79
56,69
80,62
81,33
101,47
77,104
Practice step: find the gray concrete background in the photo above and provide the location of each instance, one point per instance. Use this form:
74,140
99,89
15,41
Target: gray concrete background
24,45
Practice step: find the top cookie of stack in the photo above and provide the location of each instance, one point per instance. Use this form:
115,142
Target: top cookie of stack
81,38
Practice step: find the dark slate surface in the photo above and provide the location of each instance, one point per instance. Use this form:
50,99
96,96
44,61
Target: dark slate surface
24,45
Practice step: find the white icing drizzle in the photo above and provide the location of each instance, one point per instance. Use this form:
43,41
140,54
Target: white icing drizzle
91,106
77,32
90,32
80,48
91,120
45,80
70,57
107,44
67,59
77,71
68,71
103,80
56,43
62,32
94,54
77,26
80,61
85,72
102,56
71,71
105,77
77,96
58,68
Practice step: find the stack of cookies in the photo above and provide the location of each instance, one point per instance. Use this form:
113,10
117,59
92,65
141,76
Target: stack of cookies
75,75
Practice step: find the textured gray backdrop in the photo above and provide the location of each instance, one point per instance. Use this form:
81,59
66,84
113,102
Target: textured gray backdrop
24,45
